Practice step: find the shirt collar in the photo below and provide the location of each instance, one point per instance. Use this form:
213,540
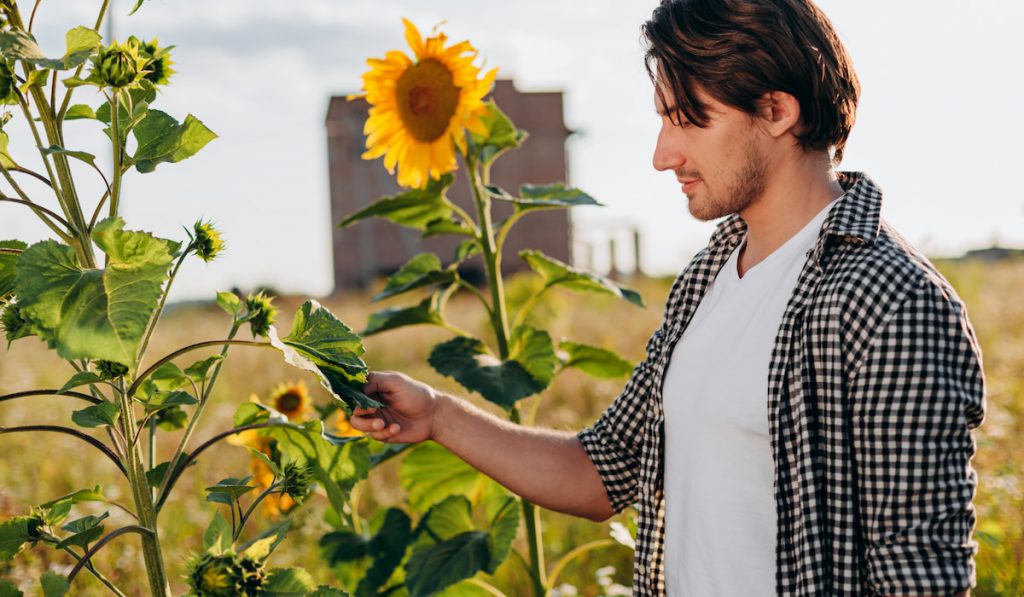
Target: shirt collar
855,218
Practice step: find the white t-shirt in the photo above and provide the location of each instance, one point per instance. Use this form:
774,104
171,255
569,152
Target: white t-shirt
720,519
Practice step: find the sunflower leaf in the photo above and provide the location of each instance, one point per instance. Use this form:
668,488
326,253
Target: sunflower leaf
321,343
422,270
372,559
217,538
532,197
556,273
80,112
95,314
161,139
54,585
58,509
594,361
97,415
80,379
289,582
200,369
15,533
430,473
427,311
228,491
83,531
467,361
82,156
415,208
501,135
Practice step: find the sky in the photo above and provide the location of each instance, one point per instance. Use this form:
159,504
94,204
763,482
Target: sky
938,126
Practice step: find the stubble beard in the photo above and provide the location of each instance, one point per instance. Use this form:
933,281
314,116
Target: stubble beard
747,185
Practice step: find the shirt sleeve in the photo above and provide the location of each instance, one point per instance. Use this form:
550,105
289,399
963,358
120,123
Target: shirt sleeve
614,441
915,397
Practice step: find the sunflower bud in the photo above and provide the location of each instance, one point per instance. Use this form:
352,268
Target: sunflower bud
157,60
14,323
226,575
250,576
119,65
208,243
261,314
110,369
295,480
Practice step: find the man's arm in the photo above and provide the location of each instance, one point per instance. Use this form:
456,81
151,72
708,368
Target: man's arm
914,399
547,467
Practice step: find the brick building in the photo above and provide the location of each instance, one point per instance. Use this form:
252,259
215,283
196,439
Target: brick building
377,247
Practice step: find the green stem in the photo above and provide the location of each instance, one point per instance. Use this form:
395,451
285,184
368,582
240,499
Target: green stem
492,260
70,394
102,542
534,536
160,308
499,321
159,585
115,187
78,72
528,306
582,549
40,211
72,432
96,573
252,508
174,472
187,349
203,399
486,586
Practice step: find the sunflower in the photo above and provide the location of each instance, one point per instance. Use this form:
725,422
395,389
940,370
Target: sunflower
420,109
262,477
344,427
292,400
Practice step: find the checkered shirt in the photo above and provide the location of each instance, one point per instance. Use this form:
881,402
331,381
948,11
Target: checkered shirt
874,386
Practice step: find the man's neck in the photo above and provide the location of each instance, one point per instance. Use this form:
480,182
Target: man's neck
796,191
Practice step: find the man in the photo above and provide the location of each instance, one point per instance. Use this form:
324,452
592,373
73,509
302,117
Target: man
801,424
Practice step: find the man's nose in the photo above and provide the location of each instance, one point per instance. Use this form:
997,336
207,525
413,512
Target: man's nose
668,154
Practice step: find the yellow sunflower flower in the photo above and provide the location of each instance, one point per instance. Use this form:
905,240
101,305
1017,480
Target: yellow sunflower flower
344,427
420,108
262,477
292,400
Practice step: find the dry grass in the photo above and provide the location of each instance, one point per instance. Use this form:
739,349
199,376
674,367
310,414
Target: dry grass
37,468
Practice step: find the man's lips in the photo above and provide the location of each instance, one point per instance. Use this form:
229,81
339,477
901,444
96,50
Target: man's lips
688,184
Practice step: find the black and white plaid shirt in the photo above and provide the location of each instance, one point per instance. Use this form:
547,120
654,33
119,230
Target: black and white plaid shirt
874,386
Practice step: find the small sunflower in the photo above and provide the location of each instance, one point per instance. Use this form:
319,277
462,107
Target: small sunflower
274,504
344,426
292,400
420,109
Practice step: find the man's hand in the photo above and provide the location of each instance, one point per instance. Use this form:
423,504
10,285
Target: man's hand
410,409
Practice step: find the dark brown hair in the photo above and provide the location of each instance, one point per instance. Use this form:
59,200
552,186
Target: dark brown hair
739,50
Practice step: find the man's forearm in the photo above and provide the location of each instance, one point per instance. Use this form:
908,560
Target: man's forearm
547,467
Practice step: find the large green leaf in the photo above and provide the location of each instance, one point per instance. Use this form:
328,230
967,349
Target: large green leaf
54,585
427,311
532,348
321,343
415,208
595,361
422,270
97,415
9,589
431,473
550,196
8,262
556,273
290,582
501,135
374,559
449,548
15,533
95,314
80,41
468,362
501,534
227,491
161,139
80,112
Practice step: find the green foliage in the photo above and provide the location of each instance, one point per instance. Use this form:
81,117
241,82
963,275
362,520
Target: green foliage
217,538
161,139
97,415
54,585
426,312
21,45
416,208
15,533
322,343
95,314
369,560
8,261
594,361
83,531
556,273
469,362
290,582
501,136
422,270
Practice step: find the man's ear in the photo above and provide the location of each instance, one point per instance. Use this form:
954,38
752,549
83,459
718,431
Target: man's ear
780,113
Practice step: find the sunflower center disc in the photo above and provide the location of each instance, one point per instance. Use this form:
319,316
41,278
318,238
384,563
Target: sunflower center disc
288,403
427,99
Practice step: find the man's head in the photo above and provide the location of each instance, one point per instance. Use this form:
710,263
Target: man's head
739,50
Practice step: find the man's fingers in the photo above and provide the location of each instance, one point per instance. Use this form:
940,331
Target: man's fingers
377,382
386,434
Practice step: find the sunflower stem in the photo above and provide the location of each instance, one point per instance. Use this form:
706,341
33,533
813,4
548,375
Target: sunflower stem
499,321
165,485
